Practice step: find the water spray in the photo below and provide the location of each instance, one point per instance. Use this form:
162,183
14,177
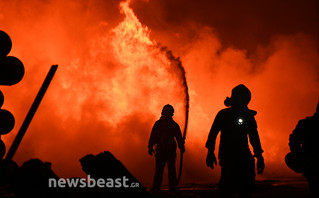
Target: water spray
181,69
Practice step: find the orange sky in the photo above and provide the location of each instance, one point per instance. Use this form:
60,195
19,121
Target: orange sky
113,79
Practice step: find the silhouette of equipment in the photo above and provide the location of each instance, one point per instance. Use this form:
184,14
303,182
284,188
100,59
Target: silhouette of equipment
11,72
5,43
185,130
295,162
105,165
182,152
31,180
31,113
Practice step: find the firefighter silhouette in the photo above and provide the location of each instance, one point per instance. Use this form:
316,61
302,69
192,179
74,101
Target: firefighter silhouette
237,163
165,133
304,147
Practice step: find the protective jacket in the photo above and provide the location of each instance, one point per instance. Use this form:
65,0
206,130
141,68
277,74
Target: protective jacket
236,125
164,133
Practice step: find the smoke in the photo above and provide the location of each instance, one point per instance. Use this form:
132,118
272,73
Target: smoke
244,25
108,91
114,78
178,63
182,75
270,46
284,90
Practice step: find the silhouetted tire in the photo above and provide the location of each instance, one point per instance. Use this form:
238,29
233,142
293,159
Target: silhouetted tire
295,162
2,149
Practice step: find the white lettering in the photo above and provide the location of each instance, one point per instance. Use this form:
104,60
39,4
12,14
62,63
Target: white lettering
73,182
52,181
61,183
109,183
91,182
124,182
100,183
82,183
118,183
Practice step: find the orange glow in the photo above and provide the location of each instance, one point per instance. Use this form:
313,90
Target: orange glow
114,78
145,70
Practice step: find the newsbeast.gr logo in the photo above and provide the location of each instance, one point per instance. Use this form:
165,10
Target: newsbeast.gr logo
92,183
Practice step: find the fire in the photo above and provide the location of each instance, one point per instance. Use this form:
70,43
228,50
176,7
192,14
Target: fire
146,69
108,99
114,77
130,31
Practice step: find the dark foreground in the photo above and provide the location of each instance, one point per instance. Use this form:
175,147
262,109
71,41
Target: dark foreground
31,180
266,188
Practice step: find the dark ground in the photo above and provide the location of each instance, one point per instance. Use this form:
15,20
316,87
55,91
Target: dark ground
268,188
287,188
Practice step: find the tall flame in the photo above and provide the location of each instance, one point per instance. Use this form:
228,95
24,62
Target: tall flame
138,54
117,81
114,79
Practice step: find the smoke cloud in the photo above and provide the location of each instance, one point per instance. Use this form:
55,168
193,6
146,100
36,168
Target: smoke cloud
107,94
112,83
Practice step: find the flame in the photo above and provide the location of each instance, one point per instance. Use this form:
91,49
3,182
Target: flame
146,68
114,77
106,99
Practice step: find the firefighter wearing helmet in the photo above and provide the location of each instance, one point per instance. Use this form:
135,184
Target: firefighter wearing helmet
304,155
236,124
165,133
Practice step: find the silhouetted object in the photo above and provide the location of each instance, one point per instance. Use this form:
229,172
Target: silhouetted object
304,147
7,121
11,72
164,135
10,174
237,163
31,112
11,68
295,162
181,70
29,180
105,165
1,99
2,149
32,180
5,43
